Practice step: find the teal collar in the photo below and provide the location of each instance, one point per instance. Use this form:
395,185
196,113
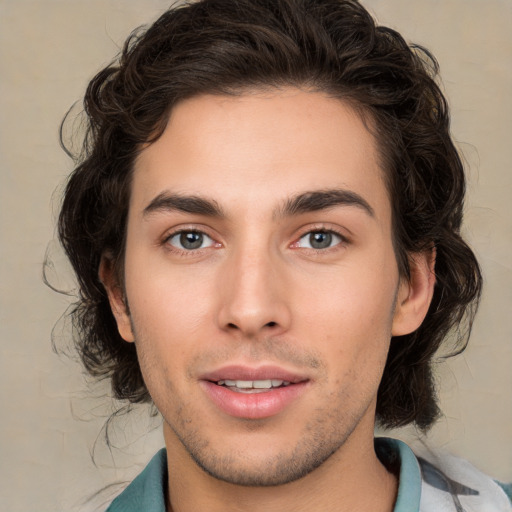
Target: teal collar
147,492
394,452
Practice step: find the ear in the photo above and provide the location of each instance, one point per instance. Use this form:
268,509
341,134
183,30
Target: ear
116,298
415,294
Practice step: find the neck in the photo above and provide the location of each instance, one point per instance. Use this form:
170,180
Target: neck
352,479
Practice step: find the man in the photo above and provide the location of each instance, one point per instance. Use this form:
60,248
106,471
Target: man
265,225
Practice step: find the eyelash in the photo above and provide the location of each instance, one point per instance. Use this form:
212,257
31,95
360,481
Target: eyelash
343,241
187,252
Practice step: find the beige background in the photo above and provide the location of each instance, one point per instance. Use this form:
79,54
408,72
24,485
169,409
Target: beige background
50,422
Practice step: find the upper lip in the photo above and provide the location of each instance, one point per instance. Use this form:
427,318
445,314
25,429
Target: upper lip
248,373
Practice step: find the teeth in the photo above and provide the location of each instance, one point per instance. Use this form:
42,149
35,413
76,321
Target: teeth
253,384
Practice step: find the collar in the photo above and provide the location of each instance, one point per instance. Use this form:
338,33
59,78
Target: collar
147,492
395,453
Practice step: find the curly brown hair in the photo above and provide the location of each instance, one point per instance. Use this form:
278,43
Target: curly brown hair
228,47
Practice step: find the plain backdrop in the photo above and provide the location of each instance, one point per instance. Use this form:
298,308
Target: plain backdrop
52,451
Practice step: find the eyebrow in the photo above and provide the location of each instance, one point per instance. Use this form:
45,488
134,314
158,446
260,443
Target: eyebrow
167,201
302,203
323,200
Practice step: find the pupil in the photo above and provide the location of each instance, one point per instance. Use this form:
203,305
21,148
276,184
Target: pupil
191,240
320,240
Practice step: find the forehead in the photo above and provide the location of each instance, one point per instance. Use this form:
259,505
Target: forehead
256,150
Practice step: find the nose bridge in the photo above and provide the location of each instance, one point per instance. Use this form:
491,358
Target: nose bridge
252,297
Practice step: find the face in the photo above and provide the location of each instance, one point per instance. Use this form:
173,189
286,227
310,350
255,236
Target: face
261,280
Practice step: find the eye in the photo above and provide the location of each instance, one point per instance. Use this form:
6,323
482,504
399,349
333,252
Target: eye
190,240
319,240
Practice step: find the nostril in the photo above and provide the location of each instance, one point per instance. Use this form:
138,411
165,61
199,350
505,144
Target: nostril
236,327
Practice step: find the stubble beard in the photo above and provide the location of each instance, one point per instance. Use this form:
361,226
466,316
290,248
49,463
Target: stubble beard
315,446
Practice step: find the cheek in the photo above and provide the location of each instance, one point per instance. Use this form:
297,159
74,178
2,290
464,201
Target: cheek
349,300
349,314
166,299
169,310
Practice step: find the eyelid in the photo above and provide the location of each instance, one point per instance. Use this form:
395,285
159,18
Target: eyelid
343,233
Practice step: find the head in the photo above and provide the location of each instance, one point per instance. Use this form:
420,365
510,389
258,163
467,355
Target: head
219,50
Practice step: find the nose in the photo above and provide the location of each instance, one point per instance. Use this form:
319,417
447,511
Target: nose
254,297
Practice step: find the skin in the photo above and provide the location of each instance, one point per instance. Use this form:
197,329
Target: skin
257,293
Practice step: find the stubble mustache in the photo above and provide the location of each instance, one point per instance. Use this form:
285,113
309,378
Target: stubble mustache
254,352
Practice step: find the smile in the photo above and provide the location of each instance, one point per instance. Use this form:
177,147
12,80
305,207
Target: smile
253,393
252,386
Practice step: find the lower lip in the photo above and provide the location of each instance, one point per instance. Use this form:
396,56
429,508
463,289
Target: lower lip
253,405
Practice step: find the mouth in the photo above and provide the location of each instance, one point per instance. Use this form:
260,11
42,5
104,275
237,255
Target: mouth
253,393
253,386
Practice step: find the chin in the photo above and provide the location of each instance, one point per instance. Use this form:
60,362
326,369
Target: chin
259,469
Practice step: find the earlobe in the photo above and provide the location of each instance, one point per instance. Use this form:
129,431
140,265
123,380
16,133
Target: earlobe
415,294
116,298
